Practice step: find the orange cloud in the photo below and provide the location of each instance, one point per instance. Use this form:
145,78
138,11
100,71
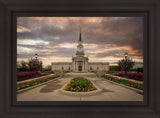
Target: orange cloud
111,47
51,47
22,29
48,52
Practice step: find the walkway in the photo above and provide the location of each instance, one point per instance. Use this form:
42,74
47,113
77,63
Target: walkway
110,91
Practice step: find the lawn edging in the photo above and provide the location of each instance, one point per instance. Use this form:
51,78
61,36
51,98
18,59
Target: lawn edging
79,94
31,87
135,89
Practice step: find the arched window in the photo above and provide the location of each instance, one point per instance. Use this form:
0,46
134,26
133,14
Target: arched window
90,68
69,68
62,68
97,68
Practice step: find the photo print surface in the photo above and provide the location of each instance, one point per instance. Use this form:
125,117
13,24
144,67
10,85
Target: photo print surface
79,58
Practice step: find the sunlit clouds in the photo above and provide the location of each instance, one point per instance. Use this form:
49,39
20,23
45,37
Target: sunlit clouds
55,39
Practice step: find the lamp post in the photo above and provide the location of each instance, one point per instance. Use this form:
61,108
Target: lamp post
126,55
36,56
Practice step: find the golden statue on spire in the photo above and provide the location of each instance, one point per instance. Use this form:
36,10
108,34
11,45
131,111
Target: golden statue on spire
80,28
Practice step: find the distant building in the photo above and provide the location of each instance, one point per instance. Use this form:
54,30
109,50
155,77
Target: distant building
80,62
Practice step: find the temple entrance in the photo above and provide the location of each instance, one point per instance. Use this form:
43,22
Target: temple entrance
79,68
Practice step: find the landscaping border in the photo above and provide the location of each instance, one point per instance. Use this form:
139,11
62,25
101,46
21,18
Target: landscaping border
28,88
24,81
124,78
132,88
80,94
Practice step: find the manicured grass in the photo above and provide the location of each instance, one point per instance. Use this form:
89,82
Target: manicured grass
125,82
35,82
80,84
47,72
116,72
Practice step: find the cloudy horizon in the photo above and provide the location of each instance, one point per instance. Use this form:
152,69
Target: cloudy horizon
55,39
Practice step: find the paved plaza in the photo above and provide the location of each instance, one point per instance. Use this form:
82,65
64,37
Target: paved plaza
110,91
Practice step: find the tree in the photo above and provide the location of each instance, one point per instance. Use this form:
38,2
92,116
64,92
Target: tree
35,64
48,68
114,68
18,66
126,64
22,66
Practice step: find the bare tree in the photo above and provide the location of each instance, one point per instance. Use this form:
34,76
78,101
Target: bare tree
35,64
126,64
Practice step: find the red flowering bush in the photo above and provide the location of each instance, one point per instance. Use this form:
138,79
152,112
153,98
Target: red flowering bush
136,76
24,74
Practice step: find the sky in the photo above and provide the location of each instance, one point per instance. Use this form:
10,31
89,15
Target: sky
55,39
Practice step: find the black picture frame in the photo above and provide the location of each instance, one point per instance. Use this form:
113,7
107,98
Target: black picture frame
10,9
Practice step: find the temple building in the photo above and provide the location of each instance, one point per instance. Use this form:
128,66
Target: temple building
80,62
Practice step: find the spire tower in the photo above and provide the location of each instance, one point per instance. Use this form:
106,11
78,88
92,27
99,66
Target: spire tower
80,34
80,51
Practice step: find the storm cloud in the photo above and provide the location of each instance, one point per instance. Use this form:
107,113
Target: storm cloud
55,38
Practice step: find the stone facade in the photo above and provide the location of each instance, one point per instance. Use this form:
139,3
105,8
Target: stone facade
62,66
80,62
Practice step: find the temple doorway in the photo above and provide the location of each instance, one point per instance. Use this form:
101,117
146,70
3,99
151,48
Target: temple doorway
80,68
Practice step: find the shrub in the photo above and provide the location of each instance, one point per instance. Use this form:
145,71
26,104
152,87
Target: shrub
114,68
47,68
139,69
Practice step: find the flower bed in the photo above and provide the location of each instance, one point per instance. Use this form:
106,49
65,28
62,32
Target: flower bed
24,74
125,82
80,84
34,82
135,76
29,75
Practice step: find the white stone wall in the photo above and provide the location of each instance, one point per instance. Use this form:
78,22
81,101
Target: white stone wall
91,66
95,66
65,66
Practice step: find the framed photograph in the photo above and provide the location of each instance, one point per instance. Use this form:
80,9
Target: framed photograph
79,59
77,68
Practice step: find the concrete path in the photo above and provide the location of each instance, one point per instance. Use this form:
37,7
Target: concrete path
110,91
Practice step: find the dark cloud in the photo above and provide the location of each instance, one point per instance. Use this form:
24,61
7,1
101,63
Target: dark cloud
111,53
122,31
